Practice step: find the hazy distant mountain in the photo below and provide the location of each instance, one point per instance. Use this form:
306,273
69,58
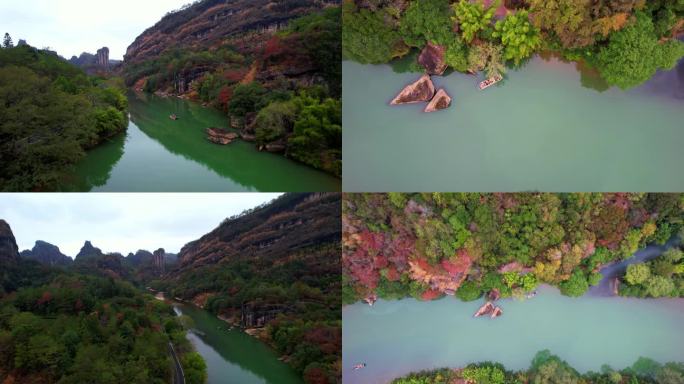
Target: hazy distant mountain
88,251
46,253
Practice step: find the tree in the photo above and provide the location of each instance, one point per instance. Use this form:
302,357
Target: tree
194,368
246,98
576,285
634,54
469,291
519,38
456,55
426,20
472,17
487,57
659,286
7,41
367,38
637,273
275,121
569,20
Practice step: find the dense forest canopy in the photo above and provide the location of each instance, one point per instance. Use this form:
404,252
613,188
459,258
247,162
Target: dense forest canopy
547,368
52,112
627,41
68,327
465,244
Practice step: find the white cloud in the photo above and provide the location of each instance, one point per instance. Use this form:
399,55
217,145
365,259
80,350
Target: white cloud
120,222
74,26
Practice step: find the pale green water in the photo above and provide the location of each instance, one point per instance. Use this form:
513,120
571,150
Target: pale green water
397,337
158,154
541,129
233,356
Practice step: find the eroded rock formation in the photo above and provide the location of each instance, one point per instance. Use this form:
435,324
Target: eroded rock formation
89,251
432,59
441,101
103,58
9,252
221,136
158,259
419,91
46,253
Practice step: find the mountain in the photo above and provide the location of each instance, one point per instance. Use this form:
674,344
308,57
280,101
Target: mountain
9,252
46,253
289,224
275,271
95,63
140,257
88,251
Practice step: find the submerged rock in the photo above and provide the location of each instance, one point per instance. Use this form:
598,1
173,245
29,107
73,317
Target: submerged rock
419,91
432,59
441,101
221,136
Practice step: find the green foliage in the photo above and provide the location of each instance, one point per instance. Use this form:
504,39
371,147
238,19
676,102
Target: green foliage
472,17
275,121
366,37
633,54
519,38
577,285
247,98
456,55
637,273
426,21
484,374
51,115
469,291
194,368
488,57
659,286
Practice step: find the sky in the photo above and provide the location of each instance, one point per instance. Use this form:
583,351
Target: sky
71,27
120,222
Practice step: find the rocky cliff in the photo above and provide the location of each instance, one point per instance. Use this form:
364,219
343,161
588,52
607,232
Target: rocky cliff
9,252
98,63
88,251
46,253
291,223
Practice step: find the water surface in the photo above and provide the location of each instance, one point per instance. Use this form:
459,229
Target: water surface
233,356
159,154
548,127
397,337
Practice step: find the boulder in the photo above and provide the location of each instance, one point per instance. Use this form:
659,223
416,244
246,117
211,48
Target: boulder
441,101
432,59
221,136
417,92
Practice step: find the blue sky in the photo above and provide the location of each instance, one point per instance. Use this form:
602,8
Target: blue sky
120,222
74,26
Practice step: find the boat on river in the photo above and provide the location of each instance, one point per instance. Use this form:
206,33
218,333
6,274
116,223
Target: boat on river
359,366
173,117
489,82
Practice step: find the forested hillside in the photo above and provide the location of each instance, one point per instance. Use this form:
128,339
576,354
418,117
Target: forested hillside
274,269
625,41
466,244
273,67
52,112
548,368
68,327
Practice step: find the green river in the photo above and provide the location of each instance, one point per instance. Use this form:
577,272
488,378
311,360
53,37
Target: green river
161,155
232,356
397,337
548,126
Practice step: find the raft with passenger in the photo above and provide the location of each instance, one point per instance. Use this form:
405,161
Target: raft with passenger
489,82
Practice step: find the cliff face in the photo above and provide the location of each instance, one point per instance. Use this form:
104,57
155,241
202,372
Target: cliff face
291,223
88,251
209,22
94,63
46,253
9,252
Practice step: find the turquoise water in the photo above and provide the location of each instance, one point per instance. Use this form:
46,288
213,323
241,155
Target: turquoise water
233,356
397,337
547,127
161,155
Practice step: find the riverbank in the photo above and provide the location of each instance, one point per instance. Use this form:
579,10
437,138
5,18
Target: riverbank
159,154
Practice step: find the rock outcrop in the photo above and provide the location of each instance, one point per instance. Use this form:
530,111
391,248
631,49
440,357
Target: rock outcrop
419,91
432,58
88,251
221,136
103,58
140,257
158,259
440,101
9,252
46,253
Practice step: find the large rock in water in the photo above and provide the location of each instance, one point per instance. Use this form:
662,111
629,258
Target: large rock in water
9,252
420,91
440,101
432,59
221,136
46,253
